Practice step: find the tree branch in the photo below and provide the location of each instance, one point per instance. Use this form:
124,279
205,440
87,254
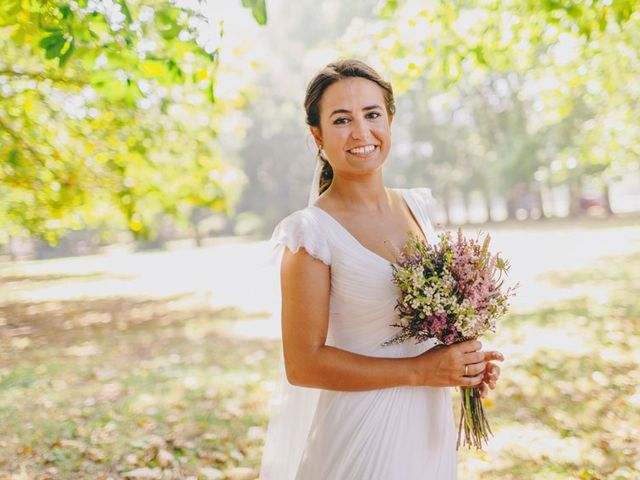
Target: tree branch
42,77
18,139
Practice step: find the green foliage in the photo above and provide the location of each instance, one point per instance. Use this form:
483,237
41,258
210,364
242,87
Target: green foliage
544,89
258,9
388,8
108,115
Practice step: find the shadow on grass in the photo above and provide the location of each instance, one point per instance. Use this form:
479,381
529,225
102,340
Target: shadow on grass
104,386
52,317
620,272
56,277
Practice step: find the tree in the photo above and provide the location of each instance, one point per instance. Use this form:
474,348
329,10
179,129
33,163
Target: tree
108,114
574,62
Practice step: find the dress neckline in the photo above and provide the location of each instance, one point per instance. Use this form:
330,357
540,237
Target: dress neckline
407,202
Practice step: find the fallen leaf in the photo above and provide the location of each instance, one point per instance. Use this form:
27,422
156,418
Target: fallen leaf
236,455
255,433
155,441
210,473
95,455
165,458
216,457
183,444
145,473
240,473
65,443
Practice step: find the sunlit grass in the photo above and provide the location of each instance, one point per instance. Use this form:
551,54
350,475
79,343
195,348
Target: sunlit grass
98,400
567,406
174,382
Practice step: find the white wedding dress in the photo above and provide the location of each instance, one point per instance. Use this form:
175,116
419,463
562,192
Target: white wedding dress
399,433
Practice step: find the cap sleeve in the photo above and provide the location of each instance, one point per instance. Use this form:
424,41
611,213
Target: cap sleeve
426,204
426,196
301,229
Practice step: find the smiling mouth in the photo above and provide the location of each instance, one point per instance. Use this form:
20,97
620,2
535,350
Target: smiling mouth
363,151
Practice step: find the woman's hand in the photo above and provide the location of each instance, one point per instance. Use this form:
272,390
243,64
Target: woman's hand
460,364
491,376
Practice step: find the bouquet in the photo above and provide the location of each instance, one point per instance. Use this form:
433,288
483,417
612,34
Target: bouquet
452,292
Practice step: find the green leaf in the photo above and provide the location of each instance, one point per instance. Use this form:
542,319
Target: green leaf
153,68
258,9
388,8
12,158
53,45
67,54
211,90
10,8
47,42
125,10
177,72
167,21
66,12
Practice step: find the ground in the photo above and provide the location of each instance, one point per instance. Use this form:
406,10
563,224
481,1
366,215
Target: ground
160,364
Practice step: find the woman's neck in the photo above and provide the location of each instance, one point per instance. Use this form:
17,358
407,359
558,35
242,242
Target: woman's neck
358,195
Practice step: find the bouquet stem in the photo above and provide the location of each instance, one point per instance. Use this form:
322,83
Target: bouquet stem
473,420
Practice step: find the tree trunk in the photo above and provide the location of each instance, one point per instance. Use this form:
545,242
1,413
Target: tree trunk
552,202
196,215
197,235
9,247
575,191
539,199
510,200
466,200
607,199
486,198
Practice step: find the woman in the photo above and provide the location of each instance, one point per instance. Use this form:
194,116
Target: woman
350,408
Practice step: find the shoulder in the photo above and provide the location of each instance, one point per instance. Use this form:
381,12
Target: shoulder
302,229
301,221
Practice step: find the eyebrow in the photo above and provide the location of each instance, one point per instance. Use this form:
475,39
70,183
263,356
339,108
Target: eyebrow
365,109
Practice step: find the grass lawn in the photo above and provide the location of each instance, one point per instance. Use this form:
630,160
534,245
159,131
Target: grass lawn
114,368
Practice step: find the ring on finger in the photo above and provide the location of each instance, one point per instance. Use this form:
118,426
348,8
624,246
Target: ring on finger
466,370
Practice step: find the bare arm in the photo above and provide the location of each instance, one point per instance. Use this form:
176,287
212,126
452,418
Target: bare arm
305,283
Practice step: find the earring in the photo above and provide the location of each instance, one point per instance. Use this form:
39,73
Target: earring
320,152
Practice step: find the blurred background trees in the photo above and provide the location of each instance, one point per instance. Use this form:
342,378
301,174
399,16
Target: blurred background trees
163,120
539,91
109,115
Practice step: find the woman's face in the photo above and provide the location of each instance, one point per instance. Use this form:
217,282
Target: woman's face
355,129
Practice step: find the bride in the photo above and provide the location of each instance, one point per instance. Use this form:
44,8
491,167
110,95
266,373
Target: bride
346,407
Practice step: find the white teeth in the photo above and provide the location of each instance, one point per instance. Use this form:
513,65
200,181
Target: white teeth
363,150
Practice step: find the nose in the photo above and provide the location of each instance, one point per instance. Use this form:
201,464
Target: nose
359,131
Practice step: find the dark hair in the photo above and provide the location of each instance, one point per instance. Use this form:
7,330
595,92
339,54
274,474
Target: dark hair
329,75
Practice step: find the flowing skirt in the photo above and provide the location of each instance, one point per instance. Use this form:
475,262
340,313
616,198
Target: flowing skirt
394,433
